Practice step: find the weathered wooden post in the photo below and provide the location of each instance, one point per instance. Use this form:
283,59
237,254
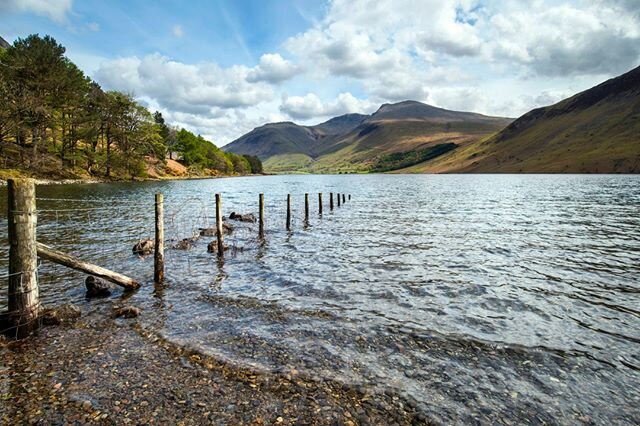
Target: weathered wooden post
261,216
219,226
306,208
343,199
158,258
338,199
24,301
288,212
349,197
320,203
331,201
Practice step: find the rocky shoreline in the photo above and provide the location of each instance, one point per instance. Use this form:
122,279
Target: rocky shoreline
104,370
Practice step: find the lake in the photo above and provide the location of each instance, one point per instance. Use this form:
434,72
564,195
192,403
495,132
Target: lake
482,297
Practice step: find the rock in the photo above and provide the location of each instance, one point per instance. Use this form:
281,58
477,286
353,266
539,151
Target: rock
227,229
144,247
126,312
186,243
212,247
86,405
249,217
62,314
97,287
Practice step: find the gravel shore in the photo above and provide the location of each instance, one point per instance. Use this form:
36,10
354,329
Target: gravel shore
112,371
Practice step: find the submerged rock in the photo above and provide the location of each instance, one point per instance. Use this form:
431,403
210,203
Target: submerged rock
227,228
62,314
144,247
212,247
128,311
97,287
249,217
186,243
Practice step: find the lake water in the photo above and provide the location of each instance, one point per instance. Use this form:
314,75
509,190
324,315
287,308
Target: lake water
486,298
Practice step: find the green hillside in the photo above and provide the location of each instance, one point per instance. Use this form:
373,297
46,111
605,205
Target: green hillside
595,131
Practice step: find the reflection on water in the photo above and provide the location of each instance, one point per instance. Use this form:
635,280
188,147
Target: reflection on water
482,297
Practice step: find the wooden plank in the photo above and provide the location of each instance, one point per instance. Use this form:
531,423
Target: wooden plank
261,216
64,259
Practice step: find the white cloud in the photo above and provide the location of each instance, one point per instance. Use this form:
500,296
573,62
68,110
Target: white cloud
177,31
93,26
56,10
192,88
272,68
310,106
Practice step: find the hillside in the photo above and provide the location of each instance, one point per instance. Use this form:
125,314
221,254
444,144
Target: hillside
595,131
355,142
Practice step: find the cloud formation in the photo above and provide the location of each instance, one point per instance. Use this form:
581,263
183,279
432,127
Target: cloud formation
500,58
56,10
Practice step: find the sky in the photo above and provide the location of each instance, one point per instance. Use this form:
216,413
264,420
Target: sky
221,68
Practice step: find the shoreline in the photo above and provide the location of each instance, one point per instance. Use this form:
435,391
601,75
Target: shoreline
114,371
41,181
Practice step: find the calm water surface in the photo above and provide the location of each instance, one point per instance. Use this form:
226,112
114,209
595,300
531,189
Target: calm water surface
482,297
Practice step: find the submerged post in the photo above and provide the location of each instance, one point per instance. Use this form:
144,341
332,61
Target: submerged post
343,199
219,226
288,212
24,301
158,258
306,208
338,199
261,216
319,202
331,201
349,197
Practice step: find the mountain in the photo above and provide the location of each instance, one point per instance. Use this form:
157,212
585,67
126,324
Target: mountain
4,44
356,142
595,131
289,138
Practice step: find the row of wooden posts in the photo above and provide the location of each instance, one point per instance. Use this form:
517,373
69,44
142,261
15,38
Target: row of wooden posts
24,250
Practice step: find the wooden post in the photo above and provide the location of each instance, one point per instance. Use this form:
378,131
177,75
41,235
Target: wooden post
331,201
261,216
288,212
64,259
306,208
219,226
320,203
338,199
158,259
343,199
349,197
24,301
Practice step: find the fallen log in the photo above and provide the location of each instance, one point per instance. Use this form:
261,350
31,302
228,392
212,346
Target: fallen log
64,259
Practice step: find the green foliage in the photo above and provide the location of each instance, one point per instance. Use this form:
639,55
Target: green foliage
50,108
255,164
400,160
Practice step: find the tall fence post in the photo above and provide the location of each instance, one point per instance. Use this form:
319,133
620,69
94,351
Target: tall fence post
288,212
306,208
24,301
338,199
320,203
219,226
261,216
158,259
331,201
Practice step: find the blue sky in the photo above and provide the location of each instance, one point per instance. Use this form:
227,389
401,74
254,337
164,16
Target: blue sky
221,68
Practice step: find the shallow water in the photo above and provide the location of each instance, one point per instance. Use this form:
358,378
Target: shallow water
483,297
